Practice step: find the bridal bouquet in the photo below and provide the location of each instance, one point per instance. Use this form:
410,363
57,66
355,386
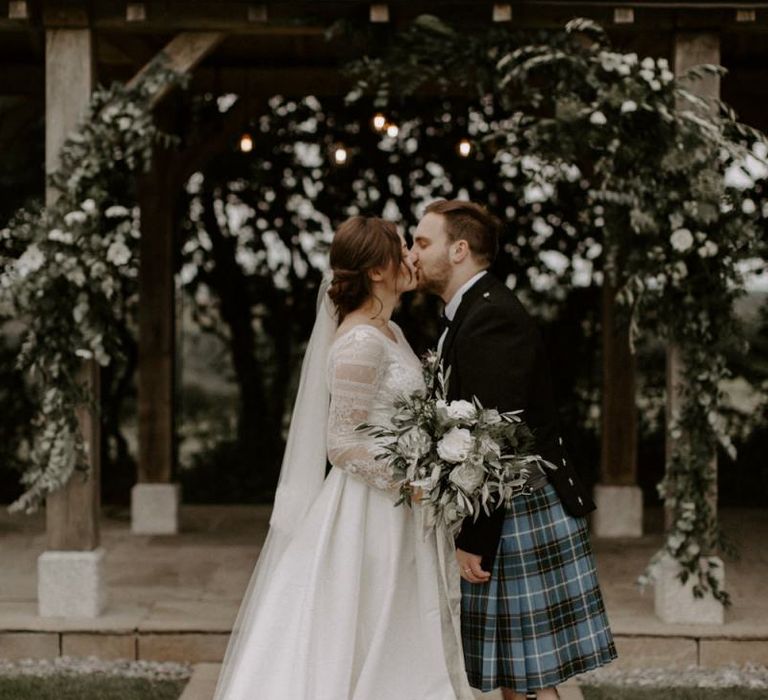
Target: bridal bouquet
462,456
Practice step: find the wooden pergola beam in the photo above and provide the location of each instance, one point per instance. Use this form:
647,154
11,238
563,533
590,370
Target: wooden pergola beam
183,53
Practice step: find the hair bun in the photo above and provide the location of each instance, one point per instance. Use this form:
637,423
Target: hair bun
359,245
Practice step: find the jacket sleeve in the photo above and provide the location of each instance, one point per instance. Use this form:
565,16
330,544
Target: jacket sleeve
495,358
357,366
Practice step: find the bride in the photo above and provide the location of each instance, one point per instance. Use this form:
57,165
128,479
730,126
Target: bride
351,599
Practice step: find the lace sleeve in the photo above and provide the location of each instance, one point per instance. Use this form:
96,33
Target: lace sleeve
357,366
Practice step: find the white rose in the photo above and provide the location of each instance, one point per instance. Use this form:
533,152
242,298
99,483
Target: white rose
681,240
88,206
455,445
60,236
467,477
647,75
74,217
598,118
629,106
415,443
648,63
78,313
31,260
708,250
461,410
115,211
118,253
748,206
77,278
676,220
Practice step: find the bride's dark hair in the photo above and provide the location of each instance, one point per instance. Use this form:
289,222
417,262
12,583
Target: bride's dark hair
360,244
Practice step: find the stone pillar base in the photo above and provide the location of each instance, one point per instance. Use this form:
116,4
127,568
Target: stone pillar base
71,583
674,601
155,509
619,511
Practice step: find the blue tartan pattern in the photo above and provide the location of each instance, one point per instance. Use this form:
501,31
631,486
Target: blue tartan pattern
540,619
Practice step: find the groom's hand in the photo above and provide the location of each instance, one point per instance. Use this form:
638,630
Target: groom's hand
469,566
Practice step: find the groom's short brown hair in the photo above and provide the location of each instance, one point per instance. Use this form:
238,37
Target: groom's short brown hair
472,223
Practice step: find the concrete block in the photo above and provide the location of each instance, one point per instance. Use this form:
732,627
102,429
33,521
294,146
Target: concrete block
658,652
102,646
721,652
71,583
675,603
28,645
155,509
619,511
192,648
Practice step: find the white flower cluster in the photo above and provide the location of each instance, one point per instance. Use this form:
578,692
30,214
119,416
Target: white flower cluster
656,72
79,259
621,63
682,240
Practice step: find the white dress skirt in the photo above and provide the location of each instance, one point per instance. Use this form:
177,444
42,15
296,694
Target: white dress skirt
364,604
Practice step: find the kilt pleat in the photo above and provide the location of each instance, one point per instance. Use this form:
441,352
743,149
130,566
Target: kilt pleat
540,619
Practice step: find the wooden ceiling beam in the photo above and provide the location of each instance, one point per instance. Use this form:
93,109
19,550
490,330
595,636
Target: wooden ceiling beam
124,48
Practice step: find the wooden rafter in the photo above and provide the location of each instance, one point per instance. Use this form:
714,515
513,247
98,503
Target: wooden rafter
183,53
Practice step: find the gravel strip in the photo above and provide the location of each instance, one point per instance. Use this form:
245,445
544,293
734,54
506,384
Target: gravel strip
732,676
71,666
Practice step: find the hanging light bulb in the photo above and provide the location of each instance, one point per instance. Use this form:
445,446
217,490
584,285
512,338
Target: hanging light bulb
246,143
379,122
464,148
340,154
392,130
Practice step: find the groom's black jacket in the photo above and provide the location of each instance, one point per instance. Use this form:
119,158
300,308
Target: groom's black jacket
494,350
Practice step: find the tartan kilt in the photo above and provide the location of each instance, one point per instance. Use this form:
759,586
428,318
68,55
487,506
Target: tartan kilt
540,619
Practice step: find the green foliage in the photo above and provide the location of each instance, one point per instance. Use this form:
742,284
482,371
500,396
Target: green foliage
650,158
74,284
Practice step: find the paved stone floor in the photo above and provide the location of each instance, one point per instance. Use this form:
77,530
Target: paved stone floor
175,597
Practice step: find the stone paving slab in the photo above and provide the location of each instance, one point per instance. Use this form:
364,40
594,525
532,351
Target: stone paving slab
28,645
190,616
103,646
166,590
191,647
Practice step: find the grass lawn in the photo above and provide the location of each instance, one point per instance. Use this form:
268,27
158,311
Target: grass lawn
611,692
95,687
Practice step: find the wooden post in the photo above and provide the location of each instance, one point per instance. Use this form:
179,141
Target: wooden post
156,326
618,497
70,578
674,602
155,499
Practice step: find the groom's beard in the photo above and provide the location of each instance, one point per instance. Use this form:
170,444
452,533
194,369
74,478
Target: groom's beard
437,280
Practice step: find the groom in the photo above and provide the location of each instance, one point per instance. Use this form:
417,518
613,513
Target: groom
532,613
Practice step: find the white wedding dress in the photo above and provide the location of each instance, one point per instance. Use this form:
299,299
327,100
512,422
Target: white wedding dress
363,603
